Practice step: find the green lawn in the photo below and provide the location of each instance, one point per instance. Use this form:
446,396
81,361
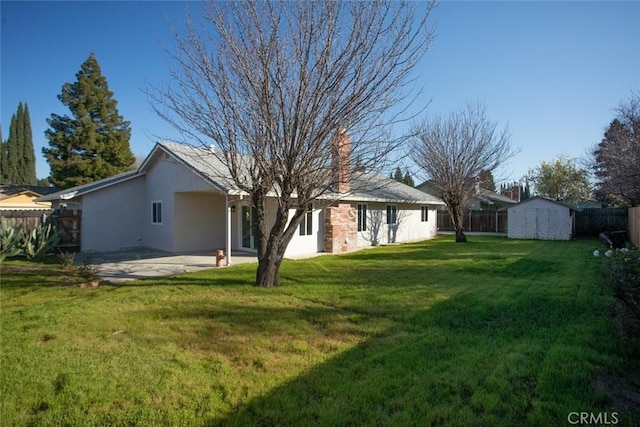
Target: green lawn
492,332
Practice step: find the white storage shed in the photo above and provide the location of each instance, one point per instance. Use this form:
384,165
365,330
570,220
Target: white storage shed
540,218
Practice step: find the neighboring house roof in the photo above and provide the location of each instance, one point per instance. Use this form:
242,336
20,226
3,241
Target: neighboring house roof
484,196
207,164
490,197
7,191
23,197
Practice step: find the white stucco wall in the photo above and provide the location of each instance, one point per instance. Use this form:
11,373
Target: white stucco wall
112,217
199,223
165,178
539,219
409,228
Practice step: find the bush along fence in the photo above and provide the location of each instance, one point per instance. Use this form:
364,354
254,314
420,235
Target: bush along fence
66,222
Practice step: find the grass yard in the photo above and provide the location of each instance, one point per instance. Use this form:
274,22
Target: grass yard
492,332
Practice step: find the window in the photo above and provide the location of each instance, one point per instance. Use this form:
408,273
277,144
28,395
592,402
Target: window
425,213
392,215
362,217
156,212
306,226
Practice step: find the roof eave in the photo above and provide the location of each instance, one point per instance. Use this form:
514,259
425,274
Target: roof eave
68,195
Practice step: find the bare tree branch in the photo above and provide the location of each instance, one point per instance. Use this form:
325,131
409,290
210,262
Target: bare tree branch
271,85
454,150
617,157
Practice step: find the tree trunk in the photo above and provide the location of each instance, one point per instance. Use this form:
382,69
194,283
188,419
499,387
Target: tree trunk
273,244
460,237
457,218
268,273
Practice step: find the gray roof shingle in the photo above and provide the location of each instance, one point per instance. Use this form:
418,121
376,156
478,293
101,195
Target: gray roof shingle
207,164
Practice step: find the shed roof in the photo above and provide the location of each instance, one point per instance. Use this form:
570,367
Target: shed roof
555,202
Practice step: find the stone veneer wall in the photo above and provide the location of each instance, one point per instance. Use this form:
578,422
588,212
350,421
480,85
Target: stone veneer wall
340,229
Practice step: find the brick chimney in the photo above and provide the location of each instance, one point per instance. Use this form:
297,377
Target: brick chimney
341,159
340,225
514,193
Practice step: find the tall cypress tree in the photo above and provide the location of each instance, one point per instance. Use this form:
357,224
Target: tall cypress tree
26,172
407,179
3,159
398,174
18,158
12,151
94,143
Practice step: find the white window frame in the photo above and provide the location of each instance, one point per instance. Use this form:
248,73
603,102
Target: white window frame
392,215
362,217
156,212
306,225
424,216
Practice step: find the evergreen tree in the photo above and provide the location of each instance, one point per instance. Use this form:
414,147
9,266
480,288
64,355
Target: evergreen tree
398,174
18,158
3,159
94,143
10,167
526,191
486,181
407,179
27,165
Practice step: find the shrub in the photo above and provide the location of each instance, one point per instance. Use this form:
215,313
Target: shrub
11,238
624,277
40,242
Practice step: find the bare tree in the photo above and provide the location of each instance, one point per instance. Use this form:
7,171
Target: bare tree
453,151
617,158
274,85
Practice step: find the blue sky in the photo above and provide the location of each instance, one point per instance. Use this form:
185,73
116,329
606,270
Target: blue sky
552,71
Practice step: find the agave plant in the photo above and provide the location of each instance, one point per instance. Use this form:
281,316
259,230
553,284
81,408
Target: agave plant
11,237
41,241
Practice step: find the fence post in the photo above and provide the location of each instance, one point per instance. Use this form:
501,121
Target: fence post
634,226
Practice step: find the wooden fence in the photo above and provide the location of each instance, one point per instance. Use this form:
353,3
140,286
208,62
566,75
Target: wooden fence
28,219
588,222
477,221
67,223
634,226
591,222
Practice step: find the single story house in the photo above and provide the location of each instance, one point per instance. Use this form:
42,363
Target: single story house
484,199
487,200
540,218
23,197
181,199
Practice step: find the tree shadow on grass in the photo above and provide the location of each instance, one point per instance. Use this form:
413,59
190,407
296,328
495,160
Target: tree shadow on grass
465,360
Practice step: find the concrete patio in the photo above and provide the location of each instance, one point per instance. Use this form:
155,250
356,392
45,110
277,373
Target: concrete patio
144,263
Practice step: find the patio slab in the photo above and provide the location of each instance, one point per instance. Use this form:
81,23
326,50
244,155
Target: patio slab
144,263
